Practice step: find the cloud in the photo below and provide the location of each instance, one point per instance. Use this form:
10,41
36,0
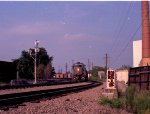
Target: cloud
79,36
74,12
25,29
36,28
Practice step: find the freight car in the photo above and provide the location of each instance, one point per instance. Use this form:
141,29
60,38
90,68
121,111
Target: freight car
7,71
79,72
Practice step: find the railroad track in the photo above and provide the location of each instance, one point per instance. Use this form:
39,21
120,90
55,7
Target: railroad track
51,82
9,100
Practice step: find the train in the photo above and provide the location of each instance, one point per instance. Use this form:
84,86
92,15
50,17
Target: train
79,72
7,71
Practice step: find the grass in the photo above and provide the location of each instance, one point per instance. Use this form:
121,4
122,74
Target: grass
95,78
141,102
114,103
137,102
130,94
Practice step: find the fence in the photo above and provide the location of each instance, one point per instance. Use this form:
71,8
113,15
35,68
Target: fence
140,77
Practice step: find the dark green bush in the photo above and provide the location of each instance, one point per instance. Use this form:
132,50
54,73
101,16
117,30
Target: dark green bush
104,101
141,102
130,92
95,78
136,101
114,103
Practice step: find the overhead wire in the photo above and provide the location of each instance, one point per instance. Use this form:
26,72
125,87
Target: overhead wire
121,28
133,36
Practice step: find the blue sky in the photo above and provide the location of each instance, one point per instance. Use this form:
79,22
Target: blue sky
70,30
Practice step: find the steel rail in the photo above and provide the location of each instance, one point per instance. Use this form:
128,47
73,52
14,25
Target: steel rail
53,82
18,98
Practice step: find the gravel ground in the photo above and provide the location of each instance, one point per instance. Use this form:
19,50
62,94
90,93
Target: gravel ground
85,102
8,91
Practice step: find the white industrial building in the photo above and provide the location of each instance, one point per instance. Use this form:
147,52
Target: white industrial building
137,52
101,74
122,75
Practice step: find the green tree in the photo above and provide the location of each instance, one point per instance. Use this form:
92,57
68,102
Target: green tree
96,69
40,71
94,72
53,73
124,67
43,57
44,71
25,64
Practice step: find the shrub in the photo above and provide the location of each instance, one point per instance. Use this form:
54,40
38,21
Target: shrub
114,103
135,101
130,92
123,101
104,101
95,78
142,102
138,101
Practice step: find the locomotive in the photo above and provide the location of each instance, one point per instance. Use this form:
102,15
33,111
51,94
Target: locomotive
79,72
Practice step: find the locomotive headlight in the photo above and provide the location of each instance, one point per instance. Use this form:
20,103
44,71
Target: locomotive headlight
78,69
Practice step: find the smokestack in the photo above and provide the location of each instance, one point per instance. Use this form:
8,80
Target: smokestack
145,34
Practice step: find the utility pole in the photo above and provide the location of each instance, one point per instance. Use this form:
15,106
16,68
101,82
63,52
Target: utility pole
106,62
89,65
92,65
59,70
106,58
66,67
72,62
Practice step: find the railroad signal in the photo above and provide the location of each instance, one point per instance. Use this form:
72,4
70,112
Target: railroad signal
34,53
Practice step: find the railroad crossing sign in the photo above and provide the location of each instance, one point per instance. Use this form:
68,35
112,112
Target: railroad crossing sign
111,79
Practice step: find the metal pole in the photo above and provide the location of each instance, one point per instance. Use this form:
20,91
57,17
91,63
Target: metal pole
35,68
89,65
106,61
72,62
36,50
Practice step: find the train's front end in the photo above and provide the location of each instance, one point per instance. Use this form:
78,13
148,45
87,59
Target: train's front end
79,72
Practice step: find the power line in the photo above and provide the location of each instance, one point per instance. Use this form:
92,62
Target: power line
127,44
121,28
117,41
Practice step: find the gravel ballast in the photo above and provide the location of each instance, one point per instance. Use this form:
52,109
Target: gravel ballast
85,102
19,90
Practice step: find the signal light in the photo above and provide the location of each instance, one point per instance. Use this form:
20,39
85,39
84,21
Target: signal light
78,69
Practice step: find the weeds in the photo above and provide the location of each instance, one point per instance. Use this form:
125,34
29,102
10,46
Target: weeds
130,93
141,103
136,101
114,103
